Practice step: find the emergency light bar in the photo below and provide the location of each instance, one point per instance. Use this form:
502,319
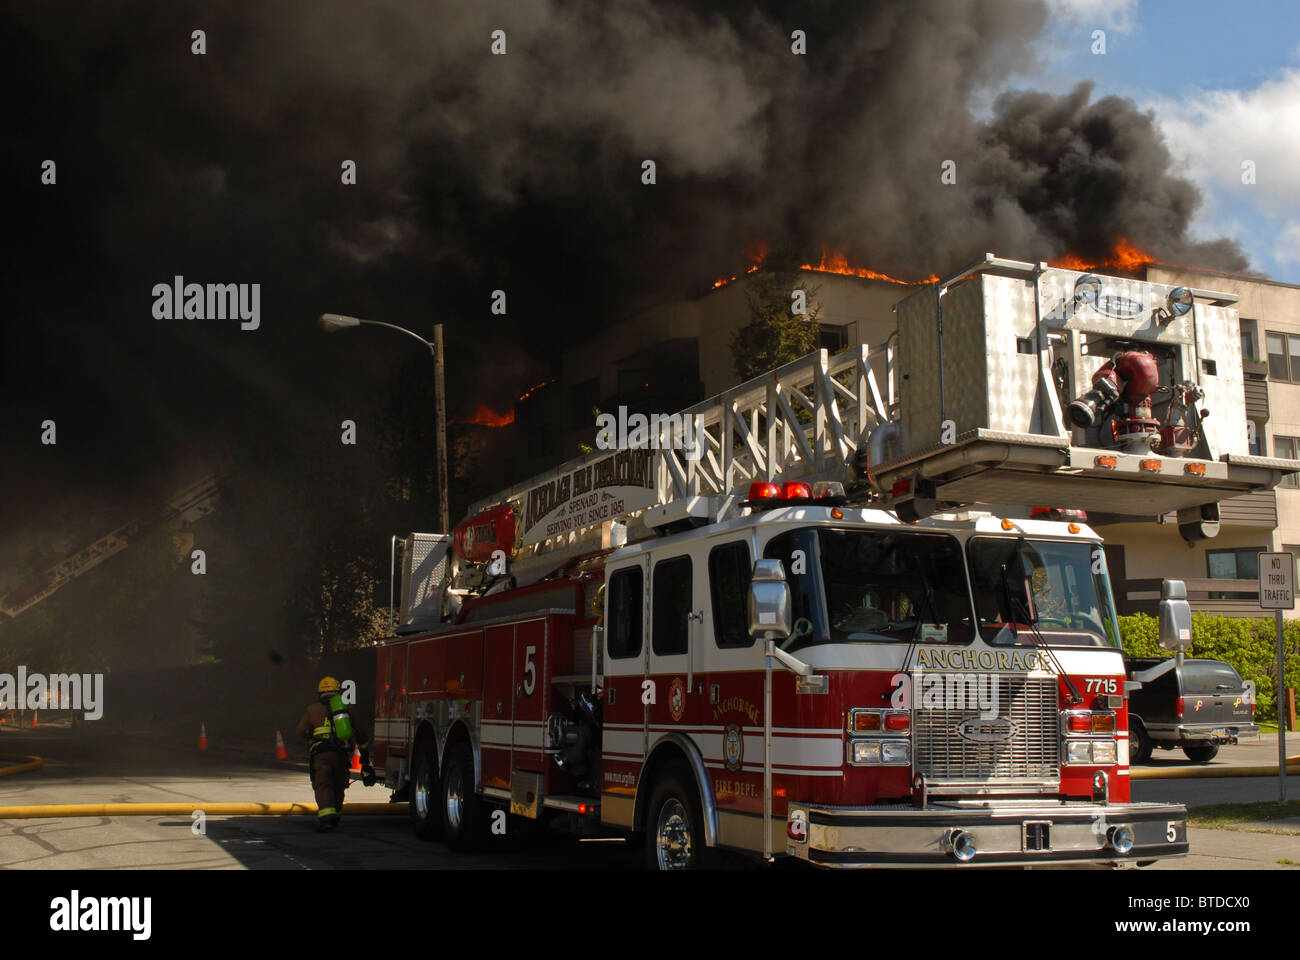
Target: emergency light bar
765,493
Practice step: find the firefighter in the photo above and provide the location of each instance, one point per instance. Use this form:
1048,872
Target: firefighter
332,731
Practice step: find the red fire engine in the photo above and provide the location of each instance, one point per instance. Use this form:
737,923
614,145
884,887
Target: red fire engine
773,624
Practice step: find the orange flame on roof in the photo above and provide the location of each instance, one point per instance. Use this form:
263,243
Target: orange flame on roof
830,262
1123,256
839,263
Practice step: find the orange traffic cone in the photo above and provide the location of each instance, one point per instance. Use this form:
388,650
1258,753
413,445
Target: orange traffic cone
356,760
35,720
280,752
203,736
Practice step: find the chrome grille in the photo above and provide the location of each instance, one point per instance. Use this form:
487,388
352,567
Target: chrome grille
1032,753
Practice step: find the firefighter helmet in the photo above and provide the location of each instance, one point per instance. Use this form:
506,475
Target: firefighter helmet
328,685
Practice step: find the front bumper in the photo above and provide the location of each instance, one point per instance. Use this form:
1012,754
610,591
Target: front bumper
1004,833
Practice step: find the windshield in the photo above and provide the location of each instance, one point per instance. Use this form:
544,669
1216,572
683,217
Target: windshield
883,586
1060,589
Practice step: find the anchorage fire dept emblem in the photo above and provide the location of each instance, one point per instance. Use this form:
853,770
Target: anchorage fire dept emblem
733,747
677,698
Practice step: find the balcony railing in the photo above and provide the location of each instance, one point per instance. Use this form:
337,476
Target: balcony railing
1225,598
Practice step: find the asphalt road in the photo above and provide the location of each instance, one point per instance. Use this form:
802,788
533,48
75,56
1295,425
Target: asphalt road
104,766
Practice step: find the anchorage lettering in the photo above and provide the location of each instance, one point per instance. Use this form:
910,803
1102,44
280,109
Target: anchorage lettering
71,691
627,468
932,658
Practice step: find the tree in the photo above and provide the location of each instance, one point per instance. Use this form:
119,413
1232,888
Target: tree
775,334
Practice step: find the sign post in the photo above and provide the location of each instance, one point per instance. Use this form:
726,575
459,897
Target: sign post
1277,593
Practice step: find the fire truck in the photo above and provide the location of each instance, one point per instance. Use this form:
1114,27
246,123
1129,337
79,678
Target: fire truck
850,612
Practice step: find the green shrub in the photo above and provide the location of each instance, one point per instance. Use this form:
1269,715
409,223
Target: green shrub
1248,643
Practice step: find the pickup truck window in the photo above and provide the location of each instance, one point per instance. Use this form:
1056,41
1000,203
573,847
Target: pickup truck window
1202,677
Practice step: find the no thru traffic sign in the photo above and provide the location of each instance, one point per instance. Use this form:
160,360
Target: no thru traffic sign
1276,581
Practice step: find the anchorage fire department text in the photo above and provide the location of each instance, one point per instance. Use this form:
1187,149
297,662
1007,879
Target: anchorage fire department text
809,638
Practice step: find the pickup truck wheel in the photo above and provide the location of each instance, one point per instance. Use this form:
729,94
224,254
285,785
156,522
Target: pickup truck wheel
1139,742
464,819
423,794
675,827
1203,753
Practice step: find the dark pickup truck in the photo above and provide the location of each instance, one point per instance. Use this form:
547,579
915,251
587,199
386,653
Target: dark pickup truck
1197,706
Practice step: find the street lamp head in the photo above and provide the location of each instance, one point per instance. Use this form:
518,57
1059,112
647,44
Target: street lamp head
335,321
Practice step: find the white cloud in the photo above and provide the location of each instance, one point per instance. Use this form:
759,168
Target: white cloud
1214,132
1117,15
1287,247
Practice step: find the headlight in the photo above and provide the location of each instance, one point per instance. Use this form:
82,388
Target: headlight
1078,751
897,751
1103,751
864,751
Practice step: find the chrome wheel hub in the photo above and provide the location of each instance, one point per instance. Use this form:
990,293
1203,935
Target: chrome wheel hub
455,797
673,837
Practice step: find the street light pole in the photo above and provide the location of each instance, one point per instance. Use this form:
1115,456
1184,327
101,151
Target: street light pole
440,418
331,322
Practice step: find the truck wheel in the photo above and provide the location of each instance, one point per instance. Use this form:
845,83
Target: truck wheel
424,794
1203,753
675,827
1139,742
463,818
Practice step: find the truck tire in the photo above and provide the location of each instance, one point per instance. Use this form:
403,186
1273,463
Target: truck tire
674,834
1139,742
464,818
424,794
1202,753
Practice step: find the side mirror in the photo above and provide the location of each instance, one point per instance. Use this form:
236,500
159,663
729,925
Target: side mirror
1175,616
770,615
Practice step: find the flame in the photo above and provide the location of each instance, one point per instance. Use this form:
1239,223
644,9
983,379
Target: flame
830,263
1123,256
839,263
485,416
533,389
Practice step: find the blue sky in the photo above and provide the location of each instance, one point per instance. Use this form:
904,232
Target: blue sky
1223,80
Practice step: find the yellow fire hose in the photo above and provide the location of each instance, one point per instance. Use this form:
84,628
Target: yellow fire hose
187,809
22,764
1190,773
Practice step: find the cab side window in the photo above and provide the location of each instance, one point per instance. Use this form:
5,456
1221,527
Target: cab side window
672,604
730,571
624,626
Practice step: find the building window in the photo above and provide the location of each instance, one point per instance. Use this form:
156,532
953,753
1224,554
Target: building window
832,338
1255,436
1240,564
1283,357
1249,350
583,398
1287,448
